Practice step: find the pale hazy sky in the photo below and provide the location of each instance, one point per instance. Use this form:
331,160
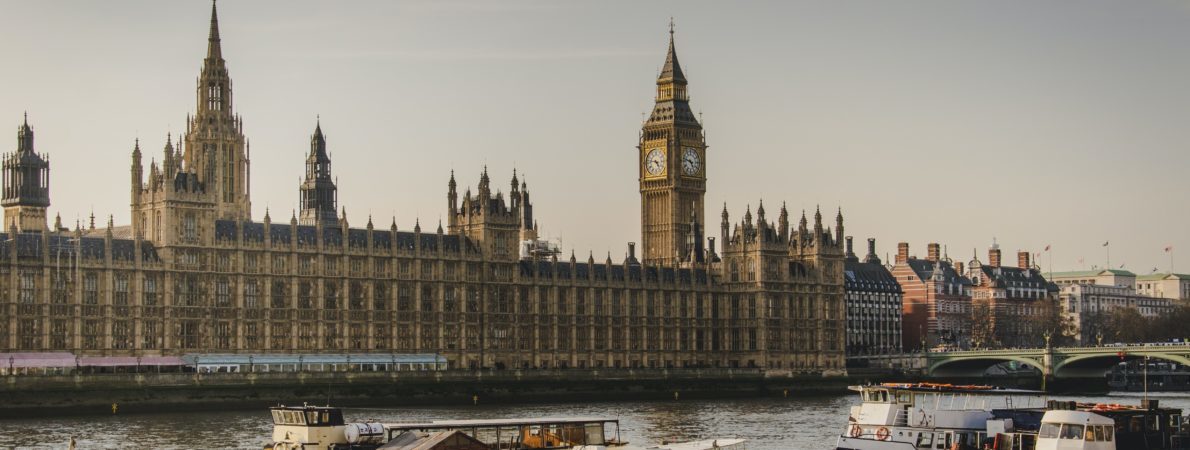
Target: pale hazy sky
1035,122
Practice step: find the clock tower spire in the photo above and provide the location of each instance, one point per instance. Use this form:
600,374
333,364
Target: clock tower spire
672,156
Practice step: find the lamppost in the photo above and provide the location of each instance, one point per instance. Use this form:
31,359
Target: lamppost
1099,338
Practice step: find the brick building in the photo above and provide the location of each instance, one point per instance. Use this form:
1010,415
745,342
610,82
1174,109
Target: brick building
936,304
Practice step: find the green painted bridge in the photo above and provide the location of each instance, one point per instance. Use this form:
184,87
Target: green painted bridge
1059,362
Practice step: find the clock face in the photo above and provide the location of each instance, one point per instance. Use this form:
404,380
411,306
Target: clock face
655,162
690,162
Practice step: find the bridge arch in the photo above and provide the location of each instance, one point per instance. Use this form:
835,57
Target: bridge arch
976,366
1095,365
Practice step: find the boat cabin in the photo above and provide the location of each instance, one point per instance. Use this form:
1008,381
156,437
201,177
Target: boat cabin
542,433
1076,430
305,426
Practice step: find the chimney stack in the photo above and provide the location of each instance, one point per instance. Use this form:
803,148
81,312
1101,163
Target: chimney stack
902,253
934,252
850,252
871,256
1022,260
958,267
994,256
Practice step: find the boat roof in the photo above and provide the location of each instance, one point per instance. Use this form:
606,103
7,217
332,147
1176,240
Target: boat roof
1076,417
698,445
496,422
947,388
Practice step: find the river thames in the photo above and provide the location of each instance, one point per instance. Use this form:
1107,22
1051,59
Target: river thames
768,424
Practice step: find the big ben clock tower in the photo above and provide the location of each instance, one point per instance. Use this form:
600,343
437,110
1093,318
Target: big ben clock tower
672,160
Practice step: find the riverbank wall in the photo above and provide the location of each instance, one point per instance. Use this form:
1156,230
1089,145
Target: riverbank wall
24,396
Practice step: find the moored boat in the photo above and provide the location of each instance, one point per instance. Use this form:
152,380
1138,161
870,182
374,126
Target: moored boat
323,428
899,416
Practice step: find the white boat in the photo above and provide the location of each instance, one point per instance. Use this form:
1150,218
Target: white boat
323,428
896,416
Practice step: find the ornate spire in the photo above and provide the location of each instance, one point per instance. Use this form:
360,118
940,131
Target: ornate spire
214,50
25,137
671,71
318,193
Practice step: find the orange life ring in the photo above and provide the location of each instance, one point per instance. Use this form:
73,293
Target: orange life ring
883,433
856,431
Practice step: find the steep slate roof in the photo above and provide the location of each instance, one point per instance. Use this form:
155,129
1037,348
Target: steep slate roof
62,246
869,277
924,269
1007,276
280,233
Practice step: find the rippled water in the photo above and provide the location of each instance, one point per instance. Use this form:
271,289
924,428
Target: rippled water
768,424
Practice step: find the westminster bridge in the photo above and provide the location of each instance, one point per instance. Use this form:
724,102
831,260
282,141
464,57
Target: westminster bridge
1054,362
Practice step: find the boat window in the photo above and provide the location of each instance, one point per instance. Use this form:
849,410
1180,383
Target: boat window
1093,432
1049,430
904,397
925,440
277,420
1136,424
1152,422
1071,431
883,396
1175,422
943,441
1108,431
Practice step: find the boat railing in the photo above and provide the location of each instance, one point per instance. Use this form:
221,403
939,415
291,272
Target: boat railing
901,419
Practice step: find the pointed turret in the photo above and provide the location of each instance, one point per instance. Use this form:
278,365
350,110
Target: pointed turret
26,187
452,196
817,223
724,225
839,225
783,223
319,195
138,173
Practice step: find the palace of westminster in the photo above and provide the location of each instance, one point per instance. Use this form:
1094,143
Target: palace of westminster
195,273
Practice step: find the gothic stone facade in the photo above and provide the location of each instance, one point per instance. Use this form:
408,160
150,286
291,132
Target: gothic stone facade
194,273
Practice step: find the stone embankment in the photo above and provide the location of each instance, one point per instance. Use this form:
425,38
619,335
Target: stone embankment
149,392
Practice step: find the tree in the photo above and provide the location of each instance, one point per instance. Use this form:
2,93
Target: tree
1127,325
983,325
1050,318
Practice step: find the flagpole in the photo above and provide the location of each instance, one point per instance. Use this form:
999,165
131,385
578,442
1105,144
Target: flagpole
1107,245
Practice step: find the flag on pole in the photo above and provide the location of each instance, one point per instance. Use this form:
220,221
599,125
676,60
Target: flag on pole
1047,247
1168,248
1105,243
